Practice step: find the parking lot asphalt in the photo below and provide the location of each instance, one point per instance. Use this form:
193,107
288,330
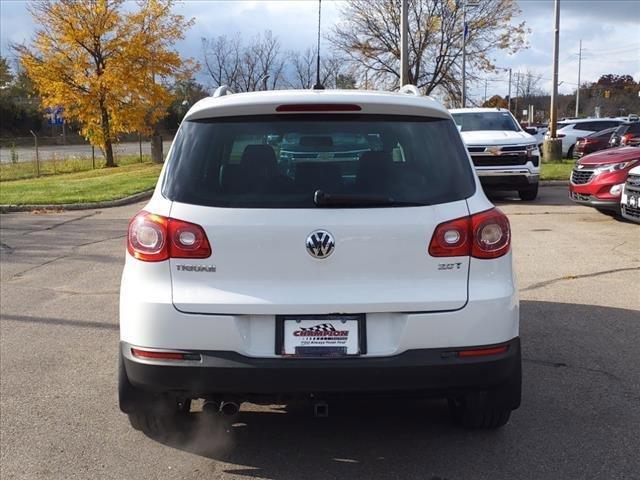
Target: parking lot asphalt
578,272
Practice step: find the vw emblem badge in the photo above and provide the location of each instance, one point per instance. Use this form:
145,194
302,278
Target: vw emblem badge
320,244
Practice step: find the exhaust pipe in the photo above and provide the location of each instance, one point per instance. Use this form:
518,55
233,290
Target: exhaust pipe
320,409
229,408
210,407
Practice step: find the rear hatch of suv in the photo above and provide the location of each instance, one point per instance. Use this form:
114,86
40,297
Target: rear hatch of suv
272,191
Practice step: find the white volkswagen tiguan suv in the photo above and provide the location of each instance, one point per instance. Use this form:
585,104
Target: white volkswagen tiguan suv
256,276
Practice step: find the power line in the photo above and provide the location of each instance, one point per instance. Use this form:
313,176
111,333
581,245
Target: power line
626,48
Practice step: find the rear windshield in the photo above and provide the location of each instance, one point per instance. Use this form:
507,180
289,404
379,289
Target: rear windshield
478,121
292,161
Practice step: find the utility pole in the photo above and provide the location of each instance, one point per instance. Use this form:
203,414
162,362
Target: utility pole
578,89
464,53
404,44
552,148
509,105
485,90
553,116
517,90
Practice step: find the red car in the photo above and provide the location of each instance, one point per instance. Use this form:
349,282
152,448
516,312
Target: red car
598,178
593,142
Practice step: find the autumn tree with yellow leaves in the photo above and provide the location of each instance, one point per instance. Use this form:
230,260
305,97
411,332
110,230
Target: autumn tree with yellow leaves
106,65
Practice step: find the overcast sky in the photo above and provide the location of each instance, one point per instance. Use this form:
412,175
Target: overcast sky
609,29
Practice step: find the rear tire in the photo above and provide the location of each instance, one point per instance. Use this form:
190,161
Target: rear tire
154,414
570,152
490,409
529,193
610,212
466,412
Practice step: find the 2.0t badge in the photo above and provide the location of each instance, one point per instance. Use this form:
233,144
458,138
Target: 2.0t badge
320,244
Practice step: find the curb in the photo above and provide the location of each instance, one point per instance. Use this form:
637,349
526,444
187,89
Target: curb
136,197
554,183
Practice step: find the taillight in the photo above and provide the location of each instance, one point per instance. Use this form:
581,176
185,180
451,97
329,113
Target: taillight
625,138
147,238
154,238
187,240
491,234
451,239
482,235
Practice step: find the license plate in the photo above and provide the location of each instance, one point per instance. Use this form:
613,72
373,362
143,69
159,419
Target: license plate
322,336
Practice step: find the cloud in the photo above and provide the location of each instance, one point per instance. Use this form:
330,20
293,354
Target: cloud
608,29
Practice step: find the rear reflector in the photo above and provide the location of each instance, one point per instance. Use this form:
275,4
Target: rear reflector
319,107
136,352
483,352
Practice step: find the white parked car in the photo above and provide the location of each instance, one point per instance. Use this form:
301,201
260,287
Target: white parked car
505,156
630,199
570,130
251,276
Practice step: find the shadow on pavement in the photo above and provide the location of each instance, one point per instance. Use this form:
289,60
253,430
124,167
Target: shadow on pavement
576,419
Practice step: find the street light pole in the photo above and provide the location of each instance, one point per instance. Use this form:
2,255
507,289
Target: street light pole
509,104
578,89
404,44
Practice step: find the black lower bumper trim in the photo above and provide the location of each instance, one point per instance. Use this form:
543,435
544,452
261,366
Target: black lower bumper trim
430,371
507,182
591,201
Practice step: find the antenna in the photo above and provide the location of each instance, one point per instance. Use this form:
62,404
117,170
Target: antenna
318,85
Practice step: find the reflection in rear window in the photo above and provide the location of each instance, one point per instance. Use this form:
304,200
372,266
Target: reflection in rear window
485,121
281,161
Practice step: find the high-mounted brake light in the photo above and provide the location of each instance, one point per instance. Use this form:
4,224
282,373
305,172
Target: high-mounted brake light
154,238
318,107
482,235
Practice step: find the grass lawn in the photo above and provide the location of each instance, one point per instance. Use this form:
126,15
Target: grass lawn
556,170
22,170
89,186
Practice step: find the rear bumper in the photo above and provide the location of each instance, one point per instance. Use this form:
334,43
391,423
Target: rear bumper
433,372
507,179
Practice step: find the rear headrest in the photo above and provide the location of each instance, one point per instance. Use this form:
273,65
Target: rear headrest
259,160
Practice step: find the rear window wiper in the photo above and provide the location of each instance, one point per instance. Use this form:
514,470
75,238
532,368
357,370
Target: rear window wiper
322,199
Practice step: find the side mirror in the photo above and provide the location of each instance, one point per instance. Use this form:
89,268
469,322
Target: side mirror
531,130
